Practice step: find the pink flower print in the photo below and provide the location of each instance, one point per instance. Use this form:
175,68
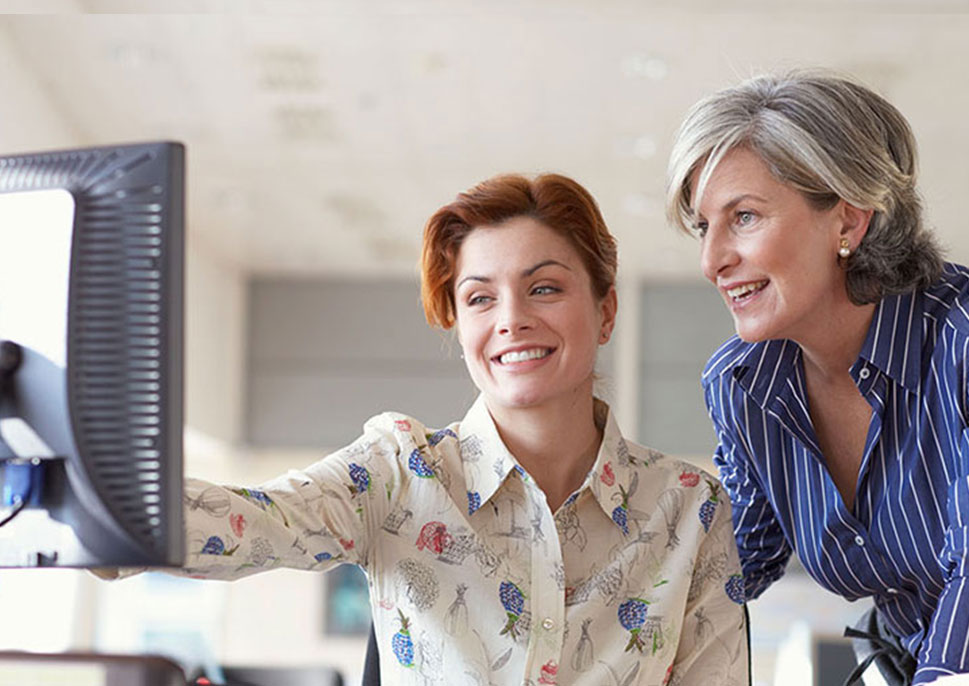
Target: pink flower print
238,524
434,535
607,476
402,424
549,673
689,479
347,545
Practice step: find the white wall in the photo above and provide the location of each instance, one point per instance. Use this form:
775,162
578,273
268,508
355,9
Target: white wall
269,619
30,119
215,343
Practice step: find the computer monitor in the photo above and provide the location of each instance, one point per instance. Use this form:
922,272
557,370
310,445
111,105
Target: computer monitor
91,290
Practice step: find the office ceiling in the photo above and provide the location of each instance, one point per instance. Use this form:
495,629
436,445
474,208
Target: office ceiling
322,134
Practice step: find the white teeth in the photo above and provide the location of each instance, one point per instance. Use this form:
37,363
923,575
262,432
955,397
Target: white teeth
741,291
523,355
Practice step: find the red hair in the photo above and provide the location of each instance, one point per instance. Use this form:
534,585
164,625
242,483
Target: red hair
556,201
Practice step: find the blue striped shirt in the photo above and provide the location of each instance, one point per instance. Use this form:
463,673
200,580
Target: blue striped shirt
905,541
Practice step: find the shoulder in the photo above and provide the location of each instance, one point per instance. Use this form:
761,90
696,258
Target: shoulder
663,473
389,434
947,300
687,497
423,448
396,426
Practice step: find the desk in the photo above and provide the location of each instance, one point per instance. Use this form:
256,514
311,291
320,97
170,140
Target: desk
87,669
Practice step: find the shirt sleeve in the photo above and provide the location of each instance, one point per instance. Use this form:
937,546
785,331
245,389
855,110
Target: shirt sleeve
761,544
714,641
314,518
946,648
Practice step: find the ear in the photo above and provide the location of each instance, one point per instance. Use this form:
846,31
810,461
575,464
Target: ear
854,223
608,308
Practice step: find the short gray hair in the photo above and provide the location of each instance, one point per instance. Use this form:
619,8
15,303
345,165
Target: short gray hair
829,138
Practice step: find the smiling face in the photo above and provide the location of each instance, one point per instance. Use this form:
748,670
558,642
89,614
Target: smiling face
527,318
772,256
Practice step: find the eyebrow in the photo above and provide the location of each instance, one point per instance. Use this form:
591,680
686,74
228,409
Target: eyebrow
733,202
526,272
740,198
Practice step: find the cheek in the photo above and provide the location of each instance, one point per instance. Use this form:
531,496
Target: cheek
468,336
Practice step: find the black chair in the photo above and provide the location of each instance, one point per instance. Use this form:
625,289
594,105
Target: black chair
371,665
282,676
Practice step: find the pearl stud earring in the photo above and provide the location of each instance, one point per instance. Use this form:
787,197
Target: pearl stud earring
844,249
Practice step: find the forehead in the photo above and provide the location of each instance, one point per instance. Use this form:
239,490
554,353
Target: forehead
518,243
740,171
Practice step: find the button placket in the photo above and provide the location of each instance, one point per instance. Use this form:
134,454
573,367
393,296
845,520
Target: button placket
548,598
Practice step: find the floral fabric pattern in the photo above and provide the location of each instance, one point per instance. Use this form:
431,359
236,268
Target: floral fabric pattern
634,580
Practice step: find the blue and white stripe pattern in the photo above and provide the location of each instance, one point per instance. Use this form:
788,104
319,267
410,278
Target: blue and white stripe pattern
906,540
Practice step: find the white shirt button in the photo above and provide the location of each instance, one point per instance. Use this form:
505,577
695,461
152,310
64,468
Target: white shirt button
892,591
859,540
864,373
548,624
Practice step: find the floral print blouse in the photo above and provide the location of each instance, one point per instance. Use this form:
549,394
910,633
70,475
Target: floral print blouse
473,580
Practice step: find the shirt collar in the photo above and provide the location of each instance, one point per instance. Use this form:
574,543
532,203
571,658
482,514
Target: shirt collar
613,478
764,372
893,345
610,476
894,341
486,459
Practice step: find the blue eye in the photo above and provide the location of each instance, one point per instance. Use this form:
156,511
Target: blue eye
478,300
545,290
745,216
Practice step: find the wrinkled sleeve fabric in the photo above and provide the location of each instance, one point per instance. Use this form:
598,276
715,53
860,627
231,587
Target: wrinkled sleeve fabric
763,549
713,646
945,650
315,518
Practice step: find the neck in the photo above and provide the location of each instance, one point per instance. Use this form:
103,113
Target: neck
556,443
830,352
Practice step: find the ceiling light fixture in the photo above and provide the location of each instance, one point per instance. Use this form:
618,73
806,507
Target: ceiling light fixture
645,66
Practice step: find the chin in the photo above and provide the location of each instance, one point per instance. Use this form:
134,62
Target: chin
518,399
521,400
753,332
750,336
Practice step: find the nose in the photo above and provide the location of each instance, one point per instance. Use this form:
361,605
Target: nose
717,253
514,316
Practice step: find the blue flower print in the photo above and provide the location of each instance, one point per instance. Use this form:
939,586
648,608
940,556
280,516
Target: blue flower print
438,436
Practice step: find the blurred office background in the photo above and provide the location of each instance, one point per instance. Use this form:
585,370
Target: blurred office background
321,134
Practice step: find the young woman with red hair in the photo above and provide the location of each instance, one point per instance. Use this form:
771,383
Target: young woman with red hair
528,542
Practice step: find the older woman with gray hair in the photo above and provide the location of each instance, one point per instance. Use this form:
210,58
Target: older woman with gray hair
841,407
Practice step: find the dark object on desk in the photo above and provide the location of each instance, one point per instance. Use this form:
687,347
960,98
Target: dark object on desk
879,650
89,668
282,676
371,665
